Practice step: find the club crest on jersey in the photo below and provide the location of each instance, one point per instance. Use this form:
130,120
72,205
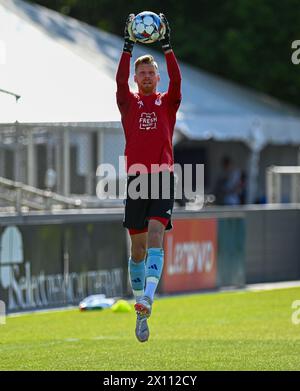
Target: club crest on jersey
158,101
148,121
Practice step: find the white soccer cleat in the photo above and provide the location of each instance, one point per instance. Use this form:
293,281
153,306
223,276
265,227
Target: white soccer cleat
142,330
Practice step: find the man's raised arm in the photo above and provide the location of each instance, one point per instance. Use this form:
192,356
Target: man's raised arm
174,90
123,71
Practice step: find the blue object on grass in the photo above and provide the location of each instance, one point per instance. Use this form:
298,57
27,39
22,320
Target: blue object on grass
95,302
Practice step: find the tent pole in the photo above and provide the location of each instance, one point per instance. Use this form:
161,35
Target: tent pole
31,161
253,169
66,160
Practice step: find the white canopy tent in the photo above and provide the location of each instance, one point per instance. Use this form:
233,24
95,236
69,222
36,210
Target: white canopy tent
64,71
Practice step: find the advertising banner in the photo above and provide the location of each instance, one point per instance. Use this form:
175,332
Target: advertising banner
51,265
190,256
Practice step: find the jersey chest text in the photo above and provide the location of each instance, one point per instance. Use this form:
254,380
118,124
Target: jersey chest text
149,113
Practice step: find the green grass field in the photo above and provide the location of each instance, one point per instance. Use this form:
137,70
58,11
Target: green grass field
218,331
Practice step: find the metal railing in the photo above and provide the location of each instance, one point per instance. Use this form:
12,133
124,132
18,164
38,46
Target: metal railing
20,195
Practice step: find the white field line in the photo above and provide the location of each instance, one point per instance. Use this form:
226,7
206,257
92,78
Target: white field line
273,286
249,287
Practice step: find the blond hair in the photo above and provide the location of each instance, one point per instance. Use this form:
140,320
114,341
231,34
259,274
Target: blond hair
146,59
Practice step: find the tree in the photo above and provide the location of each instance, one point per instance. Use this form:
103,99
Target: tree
247,41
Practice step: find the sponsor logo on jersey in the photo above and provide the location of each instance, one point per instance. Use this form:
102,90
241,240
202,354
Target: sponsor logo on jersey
148,121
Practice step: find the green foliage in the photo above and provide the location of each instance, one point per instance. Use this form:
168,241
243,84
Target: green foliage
248,41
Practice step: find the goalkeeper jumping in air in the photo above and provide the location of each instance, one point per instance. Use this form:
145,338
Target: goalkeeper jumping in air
148,119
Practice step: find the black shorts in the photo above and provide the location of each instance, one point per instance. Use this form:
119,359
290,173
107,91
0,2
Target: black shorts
156,200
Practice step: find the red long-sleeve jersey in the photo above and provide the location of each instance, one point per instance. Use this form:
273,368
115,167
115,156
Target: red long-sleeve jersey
148,121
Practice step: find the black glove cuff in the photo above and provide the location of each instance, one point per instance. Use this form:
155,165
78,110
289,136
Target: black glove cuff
128,46
166,45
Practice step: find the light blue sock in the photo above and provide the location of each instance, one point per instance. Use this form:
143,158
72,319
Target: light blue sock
136,271
154,266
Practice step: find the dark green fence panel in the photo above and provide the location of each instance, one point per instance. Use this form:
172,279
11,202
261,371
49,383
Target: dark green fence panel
231,252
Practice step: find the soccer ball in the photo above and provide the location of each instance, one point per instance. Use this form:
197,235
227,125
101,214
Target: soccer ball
147,27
